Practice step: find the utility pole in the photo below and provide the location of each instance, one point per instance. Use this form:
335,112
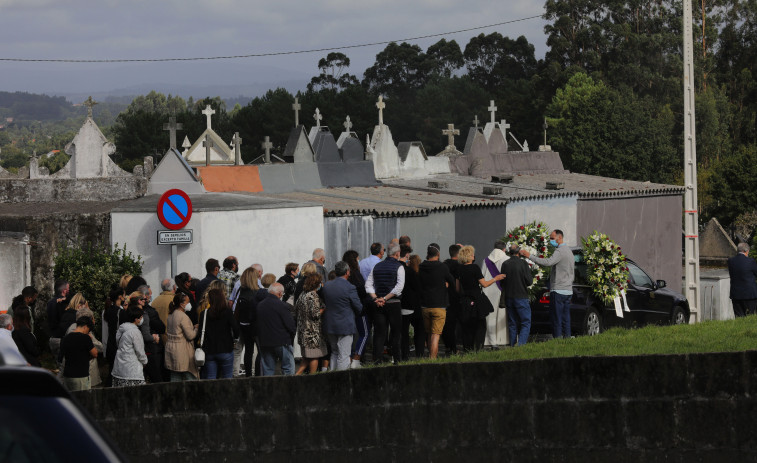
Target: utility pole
691,214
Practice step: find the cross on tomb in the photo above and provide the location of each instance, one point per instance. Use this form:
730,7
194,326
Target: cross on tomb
381,105
237,140
89,103
267,145
450,133
296,106
504,126
172,127
475,121
207,143
347,124
492,109
318,118
208,111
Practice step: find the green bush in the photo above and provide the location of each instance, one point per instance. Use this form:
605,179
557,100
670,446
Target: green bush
94,269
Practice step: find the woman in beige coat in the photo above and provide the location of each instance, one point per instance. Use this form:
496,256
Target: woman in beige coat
180,353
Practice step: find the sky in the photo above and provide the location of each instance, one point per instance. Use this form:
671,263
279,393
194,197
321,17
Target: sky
155,29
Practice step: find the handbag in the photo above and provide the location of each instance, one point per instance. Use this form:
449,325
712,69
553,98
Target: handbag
199,353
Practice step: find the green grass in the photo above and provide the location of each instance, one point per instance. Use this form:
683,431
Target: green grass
711,336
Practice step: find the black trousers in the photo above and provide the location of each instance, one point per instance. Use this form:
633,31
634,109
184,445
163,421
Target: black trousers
248,338
474,332
419,335
449,333
387,320
744,307
154,368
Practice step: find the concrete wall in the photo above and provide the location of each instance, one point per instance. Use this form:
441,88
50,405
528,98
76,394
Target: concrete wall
271,237
89,189
697,407
356,232
480,228
15,271
436,227
560,213
647,229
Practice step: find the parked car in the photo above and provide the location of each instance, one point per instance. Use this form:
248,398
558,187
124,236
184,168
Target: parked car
649,302
41,422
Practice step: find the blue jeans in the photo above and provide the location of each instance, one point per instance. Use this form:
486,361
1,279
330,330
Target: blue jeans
269,356
215,363
518,320
559,311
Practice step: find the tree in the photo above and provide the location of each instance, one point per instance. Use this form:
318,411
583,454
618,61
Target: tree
399,69
158,103
445,58
734,184
493,60
333,74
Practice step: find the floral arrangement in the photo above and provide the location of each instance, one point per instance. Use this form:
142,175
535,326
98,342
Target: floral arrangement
534,238
606,266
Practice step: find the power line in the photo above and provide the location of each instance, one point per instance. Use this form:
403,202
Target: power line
258,55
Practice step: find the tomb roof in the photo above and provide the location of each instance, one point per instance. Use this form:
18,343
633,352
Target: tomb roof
205,202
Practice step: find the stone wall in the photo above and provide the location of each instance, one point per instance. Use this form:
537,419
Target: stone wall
15,190
674,408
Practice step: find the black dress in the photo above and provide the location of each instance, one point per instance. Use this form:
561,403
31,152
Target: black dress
474,328
27,345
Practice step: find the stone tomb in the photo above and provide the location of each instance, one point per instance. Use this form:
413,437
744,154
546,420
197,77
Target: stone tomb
90,155
298,148
220,152
174,172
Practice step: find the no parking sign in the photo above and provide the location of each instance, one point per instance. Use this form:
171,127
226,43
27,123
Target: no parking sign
174,209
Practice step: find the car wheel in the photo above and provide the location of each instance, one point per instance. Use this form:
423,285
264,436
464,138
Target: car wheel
678,316
592,322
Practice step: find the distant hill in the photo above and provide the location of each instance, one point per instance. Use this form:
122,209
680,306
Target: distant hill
29,106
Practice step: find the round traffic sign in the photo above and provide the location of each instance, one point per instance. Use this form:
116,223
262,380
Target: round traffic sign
174,209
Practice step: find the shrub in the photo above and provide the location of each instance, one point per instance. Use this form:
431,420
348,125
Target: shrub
94,269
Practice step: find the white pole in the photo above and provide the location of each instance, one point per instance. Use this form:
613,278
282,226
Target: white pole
691,216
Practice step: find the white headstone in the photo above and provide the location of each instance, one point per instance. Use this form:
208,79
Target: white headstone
208,111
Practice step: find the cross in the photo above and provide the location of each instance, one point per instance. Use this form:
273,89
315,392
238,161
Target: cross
208,111
450,133
208,143
381,105
89,104
172,127
545,127
492,109
475,121
504,126
296,106
317,116
347,124
237,140
267,145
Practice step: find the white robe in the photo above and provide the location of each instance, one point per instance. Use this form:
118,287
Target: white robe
496,322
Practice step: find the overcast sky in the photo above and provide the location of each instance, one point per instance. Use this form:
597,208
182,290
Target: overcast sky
151,29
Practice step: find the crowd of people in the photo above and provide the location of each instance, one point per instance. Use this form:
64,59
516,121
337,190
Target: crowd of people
212,327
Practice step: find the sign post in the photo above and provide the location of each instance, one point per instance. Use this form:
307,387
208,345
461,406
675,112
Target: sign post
174,212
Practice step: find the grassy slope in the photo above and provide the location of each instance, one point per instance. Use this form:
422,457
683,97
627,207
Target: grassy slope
710,336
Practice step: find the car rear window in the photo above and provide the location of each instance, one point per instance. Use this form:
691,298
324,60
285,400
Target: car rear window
48,429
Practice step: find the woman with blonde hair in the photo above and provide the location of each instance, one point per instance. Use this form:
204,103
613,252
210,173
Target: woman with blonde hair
472,300
180,351
309,309
125,281
94,369
249,296
204,301
307,269
68,317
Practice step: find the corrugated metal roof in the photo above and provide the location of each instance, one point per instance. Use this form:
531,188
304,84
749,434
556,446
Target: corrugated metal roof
388,201
534,186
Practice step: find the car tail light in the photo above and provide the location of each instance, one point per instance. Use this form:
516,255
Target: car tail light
544,298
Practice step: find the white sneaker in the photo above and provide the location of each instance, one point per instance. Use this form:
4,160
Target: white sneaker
355,364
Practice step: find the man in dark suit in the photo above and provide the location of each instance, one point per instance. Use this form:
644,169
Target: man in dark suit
212,266
342,306
743,272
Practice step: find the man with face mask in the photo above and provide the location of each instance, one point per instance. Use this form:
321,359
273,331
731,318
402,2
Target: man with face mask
7,344
560,282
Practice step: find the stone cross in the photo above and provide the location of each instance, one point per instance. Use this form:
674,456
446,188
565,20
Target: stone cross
208,143
475,121
545,127
267,145
237,140
504,126
318,118
89,103
381,105
492,109
172,127
208,111
450,133
347,124
296,106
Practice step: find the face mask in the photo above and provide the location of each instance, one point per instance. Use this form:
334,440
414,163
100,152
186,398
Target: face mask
141,320
187,307
553,243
